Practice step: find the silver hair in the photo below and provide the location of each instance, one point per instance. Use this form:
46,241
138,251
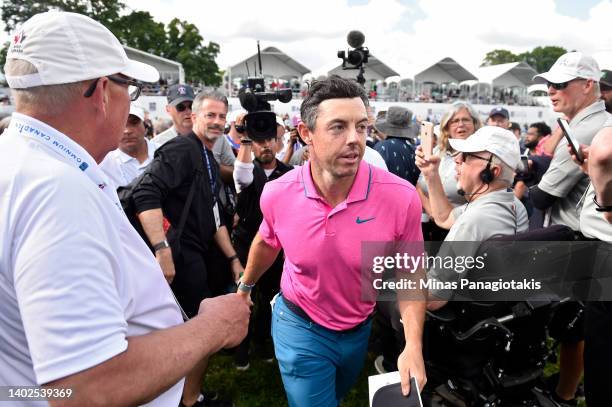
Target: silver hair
207,94
507,174
54,99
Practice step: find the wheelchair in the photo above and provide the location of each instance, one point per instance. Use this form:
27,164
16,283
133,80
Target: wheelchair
488,354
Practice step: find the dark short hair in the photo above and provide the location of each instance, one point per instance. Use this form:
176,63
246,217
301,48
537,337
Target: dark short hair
515,126
543,129
333,87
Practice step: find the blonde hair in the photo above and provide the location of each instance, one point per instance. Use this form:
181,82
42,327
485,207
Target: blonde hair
54,99
443,143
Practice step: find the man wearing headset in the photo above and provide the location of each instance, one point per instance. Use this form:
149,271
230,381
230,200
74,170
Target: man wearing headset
486,162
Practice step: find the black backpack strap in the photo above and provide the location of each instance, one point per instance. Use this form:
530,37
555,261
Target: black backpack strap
196,158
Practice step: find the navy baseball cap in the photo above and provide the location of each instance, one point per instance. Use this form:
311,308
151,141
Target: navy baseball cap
180,93
499,111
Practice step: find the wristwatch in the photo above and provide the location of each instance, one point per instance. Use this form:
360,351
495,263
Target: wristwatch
244,287
161,245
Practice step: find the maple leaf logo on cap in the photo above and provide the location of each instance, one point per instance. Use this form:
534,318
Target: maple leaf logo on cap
19,37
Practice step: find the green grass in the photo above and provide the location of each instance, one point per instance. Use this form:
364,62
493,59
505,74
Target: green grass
261,385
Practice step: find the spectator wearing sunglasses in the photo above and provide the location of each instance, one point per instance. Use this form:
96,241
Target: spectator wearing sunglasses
485,166
573,87
574,90
180,98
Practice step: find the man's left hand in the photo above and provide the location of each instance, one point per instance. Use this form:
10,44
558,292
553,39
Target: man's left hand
410,364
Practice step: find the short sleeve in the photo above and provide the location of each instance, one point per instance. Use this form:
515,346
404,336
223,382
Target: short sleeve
266,229
65,280
562,175
411,229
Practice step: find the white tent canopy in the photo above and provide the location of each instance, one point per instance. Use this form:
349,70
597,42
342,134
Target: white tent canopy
276,64
170,71
447,70
513,74
375,70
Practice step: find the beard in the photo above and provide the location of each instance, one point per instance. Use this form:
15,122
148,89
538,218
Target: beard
532,144
266,157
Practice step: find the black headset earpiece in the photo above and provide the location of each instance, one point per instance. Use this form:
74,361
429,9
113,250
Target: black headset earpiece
486,175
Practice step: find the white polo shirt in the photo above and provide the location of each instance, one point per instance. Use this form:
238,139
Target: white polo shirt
122,168
76,279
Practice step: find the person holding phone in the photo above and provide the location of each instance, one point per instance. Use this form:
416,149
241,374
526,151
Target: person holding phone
459,122
574,90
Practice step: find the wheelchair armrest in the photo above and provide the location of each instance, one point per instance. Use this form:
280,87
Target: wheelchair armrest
444,314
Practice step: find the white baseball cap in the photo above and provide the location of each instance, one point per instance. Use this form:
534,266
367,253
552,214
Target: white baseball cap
571,66
69,47
496,140
137,111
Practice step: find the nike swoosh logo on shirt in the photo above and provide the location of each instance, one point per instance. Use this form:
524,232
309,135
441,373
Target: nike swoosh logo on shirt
364,220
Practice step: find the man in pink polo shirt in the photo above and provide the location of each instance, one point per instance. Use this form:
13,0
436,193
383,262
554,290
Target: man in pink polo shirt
319,214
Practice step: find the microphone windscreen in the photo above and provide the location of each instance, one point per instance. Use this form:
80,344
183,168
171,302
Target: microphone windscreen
355,38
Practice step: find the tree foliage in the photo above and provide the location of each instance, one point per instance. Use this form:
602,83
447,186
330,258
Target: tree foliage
540,58
499,56
179,40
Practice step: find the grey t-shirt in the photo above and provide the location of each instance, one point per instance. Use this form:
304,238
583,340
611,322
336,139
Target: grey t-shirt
563,178
495,213
448,176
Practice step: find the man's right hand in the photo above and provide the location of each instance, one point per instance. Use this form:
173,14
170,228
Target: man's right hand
229,318
164,258
428,166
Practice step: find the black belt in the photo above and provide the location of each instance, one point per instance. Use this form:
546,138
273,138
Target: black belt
297,310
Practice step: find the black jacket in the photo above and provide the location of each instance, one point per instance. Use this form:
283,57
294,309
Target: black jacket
247,205
166,184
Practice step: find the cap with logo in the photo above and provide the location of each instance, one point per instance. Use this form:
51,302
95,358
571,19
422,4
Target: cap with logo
497,141
499,111
137,111
570,66
180,93
397,123
69,47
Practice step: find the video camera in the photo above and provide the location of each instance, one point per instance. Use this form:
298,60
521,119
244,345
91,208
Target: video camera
357,57
260,121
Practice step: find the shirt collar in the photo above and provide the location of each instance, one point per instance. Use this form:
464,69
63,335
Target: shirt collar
359,190
587,111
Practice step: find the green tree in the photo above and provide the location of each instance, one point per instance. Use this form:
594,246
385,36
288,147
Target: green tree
542,58
179,41
139,30
186,45
3,52
499,56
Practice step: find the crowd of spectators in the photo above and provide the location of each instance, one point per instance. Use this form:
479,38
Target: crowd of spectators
224,216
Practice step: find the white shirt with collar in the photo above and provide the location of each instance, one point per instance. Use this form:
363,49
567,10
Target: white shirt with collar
122,168
76,279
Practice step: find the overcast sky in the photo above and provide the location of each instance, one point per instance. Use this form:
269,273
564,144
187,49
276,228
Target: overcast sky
407,35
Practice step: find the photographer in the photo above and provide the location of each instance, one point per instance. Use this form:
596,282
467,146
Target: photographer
250,176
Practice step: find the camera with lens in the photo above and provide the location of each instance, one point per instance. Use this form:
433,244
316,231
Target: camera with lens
260,121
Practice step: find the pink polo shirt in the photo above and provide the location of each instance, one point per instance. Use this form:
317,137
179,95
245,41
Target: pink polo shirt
322,271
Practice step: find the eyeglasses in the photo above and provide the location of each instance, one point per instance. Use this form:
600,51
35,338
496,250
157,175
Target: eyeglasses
134,87
181,107
464,156
463,120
